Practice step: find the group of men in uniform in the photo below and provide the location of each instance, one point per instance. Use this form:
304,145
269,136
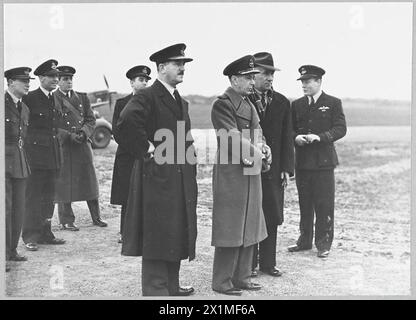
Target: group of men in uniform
267,141
48,156
159,199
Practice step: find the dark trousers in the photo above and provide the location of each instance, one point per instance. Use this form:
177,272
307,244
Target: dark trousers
316,189
66,215
159,277
15,210
264,254
39,206
232,267
122,215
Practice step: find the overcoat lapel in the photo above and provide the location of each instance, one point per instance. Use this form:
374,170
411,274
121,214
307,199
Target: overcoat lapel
167,99
10,104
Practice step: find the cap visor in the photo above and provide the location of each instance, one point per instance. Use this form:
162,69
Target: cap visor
249,71
271,68
184,59
308,76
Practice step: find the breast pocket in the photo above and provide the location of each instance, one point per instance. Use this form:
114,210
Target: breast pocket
11,127
243,121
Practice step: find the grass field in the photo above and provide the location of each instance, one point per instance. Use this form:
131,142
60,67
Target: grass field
370,254
358,112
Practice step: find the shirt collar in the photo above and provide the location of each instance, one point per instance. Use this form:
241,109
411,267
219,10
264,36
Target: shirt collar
315,96
66,94
46,92
168,87
15,99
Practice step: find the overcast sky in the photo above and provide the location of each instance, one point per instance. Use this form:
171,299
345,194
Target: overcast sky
366,49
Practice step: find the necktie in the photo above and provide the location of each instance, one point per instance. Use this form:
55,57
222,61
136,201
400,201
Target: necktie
19,106
178,99
312,104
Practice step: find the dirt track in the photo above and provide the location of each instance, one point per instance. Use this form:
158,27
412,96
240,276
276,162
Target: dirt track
370,255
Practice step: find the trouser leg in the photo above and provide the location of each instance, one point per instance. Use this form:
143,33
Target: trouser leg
159,277
324,209
255,257
305,191
94,208
18,211
9,226
122,215
241,277
47,204
225,263
33,217
267,248
65,213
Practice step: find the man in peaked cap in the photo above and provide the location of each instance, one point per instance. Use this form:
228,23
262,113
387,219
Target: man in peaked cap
160,221
273,109
238,223
318,121
123,163
76,180
44,153
16,115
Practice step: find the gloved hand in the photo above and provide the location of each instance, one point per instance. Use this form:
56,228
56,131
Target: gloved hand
312,138
74,138
301,140
81,137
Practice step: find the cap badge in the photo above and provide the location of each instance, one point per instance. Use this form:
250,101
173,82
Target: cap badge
251,63
27,72
182,52
144,70
53,66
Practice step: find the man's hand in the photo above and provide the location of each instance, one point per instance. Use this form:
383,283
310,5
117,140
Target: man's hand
267,153
74,138
151,149
285,178
81,137
301,140
312,138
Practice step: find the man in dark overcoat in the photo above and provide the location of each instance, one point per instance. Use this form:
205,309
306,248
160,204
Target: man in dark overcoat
160,222
16,116
237,217
123,163
318,121
76,180
43,147
273,109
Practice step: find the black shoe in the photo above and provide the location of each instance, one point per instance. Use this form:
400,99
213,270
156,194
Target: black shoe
254,273
17,257
31,246
54,241
184,291
323,253
231,292
296,248
69,227
120,239
99,222
273,271
251,286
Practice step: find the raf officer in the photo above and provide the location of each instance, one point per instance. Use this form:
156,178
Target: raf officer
318,121
77,180
160,222
123,163
44,152
16,115
273,109
238,223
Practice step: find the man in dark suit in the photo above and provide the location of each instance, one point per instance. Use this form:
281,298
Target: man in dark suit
318,121
123,163
16,116
76,180
273,109
160,222
45,158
